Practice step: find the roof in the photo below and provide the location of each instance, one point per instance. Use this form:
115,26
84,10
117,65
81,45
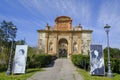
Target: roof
62,18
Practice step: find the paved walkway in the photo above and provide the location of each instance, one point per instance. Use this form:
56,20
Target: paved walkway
63,69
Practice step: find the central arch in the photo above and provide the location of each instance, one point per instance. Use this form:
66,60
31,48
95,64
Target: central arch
63,47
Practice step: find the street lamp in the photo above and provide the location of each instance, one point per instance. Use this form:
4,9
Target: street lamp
107,29
9,71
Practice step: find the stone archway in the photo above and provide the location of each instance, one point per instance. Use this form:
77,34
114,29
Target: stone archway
63,47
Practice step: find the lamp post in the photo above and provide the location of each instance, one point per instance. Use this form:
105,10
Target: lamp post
9,71
107,29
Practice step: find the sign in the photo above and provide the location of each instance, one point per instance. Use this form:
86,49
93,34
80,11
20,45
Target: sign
96,60
20,58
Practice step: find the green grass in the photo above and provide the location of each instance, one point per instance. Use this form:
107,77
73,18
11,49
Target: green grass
29,73
86,76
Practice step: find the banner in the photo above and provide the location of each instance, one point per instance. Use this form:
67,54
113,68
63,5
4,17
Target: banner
20,58
96,60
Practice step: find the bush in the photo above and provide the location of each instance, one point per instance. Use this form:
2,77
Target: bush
3,67
115,65
81,61
39,60
3,62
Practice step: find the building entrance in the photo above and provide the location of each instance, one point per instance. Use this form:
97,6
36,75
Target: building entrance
63,47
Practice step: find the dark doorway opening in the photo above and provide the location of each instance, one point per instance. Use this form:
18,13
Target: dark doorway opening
62,53
63,47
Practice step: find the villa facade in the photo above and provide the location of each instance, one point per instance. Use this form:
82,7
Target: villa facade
63,39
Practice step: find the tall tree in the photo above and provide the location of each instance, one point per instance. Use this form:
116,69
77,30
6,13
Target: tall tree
114,52
20,42
1,36
7,32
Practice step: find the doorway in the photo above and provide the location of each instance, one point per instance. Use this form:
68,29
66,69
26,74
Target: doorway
63,47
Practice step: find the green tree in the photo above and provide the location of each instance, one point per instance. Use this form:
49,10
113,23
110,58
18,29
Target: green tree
1,36
114,52
7,35
20,42
7,32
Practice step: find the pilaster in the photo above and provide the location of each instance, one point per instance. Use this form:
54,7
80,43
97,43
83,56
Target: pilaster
56,44
46,42
70,45
79,45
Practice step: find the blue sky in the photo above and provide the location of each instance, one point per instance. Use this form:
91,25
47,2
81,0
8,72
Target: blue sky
31,15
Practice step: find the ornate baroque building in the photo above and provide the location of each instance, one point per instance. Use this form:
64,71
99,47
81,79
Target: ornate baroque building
63,39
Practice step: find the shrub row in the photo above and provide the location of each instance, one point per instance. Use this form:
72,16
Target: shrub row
83,62
39,60
34,61
115,65
3,67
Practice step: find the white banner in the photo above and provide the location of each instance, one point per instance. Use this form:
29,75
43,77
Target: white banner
20,58
97,60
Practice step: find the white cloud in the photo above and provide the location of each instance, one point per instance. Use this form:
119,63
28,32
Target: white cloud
80,10
110,14
46,10
26,28
40,12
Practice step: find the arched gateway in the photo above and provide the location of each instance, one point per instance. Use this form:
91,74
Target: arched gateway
63,47
63,40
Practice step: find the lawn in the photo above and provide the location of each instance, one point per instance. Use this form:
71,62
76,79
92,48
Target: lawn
29,73
87,76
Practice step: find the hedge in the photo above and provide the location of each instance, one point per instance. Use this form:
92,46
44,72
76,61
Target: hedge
39,60
115,65
83,61
3,67
34,61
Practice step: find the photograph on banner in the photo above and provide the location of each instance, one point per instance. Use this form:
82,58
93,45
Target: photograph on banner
96,60
20,58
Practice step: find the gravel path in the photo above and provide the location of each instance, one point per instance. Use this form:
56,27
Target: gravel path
63,69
